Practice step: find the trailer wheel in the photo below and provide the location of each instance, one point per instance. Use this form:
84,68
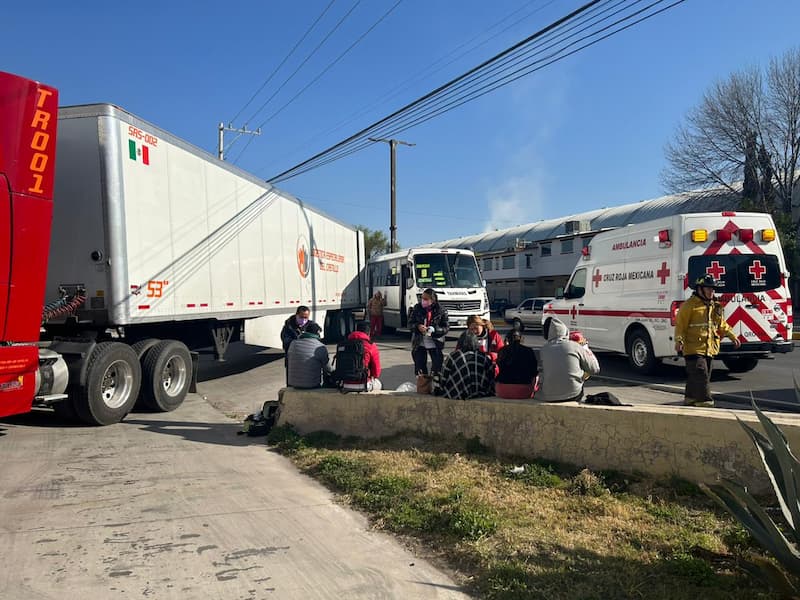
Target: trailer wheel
740,364
166,374
113,377
351,322
142,346
640,352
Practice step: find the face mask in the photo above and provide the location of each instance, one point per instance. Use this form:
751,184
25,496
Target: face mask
426,303
301,321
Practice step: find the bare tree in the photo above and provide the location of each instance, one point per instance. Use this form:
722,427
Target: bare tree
744,136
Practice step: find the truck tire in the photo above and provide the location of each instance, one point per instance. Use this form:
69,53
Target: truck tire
640,352
517,325
740,364
166,375
65,410
142,346
113,377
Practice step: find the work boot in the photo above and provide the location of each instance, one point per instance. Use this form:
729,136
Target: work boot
700,403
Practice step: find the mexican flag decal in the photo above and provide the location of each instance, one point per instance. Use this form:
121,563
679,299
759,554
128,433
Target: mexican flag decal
139,151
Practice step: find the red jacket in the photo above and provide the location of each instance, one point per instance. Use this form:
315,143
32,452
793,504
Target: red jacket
372,357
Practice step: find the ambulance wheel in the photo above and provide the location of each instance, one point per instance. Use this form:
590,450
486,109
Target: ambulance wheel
166,375
113,377
640,352
740,364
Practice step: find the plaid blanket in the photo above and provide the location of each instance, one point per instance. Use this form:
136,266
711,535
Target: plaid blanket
467,375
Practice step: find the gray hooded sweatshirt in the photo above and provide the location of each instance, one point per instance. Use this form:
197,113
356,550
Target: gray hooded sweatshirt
562,364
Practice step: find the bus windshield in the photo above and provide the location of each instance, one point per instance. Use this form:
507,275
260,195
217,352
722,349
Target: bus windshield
446,270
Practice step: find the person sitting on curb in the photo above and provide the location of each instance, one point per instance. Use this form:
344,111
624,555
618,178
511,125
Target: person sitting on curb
518,368
292,329
372,361
489,341
467,372
307,360
564,365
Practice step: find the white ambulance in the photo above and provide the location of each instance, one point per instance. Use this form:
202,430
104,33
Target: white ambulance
629,283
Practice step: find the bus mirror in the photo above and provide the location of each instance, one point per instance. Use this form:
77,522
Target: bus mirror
409,283
560,293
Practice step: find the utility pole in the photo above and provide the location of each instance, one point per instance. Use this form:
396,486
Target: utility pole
223,128
393,210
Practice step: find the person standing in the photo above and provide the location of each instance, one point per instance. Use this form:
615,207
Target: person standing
293,328
518,368
564,365
429,325
467,372
307,359
699,324
375,308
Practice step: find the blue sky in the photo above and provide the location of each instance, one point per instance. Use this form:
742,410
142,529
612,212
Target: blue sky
585,132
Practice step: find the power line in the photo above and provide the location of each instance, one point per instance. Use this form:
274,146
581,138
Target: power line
445,86
297,45
326,69
399,120
430,70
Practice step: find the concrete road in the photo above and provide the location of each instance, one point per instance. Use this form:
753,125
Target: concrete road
178,506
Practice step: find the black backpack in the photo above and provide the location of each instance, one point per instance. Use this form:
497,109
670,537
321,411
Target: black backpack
348,364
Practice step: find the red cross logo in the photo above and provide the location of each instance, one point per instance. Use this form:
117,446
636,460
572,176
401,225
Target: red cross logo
574,312
716,270
596,278
663,273
757,269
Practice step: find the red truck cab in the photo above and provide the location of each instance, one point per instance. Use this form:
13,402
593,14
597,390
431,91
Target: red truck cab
29,118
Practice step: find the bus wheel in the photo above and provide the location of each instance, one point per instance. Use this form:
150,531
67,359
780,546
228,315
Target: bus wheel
640,352
740,364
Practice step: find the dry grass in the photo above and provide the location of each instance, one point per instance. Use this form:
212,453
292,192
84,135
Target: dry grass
550,531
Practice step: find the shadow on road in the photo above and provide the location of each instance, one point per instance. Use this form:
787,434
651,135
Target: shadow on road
240,358
225,434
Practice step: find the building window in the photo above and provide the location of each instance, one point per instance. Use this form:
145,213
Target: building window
528,260
547,250
566,246
508,262
487,264
496,263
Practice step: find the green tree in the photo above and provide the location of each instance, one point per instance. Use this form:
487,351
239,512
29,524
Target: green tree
375,241
745,136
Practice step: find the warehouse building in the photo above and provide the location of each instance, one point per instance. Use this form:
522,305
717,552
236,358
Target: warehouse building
536,259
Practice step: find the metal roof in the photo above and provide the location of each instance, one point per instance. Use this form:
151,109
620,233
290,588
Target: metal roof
602,218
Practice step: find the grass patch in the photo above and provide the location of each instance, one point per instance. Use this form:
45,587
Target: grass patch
548,530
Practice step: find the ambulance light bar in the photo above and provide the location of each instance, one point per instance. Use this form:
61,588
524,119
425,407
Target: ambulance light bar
673,311
746,235
699,235
723,235
585,251
728,213
767,235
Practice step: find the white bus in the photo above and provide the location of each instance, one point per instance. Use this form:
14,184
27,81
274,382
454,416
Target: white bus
401,277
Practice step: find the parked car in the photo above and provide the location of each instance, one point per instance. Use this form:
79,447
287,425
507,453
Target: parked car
499,305
527,314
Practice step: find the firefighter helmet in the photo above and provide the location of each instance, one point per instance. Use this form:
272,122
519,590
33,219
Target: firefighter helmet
706,281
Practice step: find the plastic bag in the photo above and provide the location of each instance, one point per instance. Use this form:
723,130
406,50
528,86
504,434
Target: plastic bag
407,386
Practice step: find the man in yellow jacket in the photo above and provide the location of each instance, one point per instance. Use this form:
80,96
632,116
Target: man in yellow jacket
698,327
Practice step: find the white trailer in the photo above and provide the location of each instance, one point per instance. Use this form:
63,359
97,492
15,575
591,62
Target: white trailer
166,248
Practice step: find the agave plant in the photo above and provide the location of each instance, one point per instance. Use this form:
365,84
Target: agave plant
783,470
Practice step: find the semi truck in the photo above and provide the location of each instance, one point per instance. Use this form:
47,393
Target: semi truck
123,249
